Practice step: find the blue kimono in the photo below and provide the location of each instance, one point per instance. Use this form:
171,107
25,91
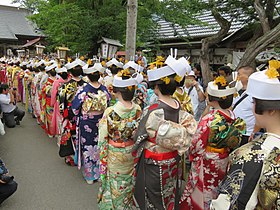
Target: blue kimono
89,105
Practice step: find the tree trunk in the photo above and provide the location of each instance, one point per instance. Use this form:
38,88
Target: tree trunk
205,62
259,45
207,42
131,26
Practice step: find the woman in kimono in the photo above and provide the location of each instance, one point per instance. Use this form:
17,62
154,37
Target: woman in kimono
115,143
57,118
218,133
182,96
66,94
163,135
89,104
253,178
47,108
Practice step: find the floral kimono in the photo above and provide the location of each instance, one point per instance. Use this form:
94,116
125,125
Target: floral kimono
115,143
89,105
66,94
185,100
217,134
47,109
57,118
160,141
253,179
37,93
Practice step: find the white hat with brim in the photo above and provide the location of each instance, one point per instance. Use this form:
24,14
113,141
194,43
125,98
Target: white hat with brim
96,67
119,82
191,73
135,66
114,62
60,70
53,66
159,73
75,63
180,66
262,87
213,90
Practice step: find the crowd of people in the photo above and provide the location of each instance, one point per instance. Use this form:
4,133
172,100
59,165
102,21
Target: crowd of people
151,134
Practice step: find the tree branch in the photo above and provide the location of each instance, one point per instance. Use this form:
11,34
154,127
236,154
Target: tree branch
260,44
270,6
262,16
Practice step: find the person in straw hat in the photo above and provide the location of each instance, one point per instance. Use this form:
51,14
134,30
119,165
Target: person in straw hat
115,143
218,133
89,105
252,181
163,135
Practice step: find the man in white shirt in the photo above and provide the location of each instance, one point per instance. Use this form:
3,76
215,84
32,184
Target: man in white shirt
243,105
12,115
195,91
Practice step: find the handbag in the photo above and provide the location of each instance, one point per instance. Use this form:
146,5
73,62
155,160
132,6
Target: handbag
66,149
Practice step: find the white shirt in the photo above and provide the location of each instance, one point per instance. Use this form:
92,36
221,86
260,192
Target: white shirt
6,106
244,110
194,98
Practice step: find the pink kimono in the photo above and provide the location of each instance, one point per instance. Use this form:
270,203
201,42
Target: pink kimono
57,118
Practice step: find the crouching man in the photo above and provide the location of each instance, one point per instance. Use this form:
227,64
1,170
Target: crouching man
12,115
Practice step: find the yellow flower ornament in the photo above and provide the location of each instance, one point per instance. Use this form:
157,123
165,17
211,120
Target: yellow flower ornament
220,80
166,80
274,67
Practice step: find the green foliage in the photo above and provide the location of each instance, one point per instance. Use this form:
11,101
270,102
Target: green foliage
79,24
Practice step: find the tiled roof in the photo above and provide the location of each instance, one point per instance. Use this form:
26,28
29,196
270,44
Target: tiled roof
167,31
13,22
111,41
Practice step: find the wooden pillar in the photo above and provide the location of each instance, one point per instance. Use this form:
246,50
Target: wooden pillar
131,26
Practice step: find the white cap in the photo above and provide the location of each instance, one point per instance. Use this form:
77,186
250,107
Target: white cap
139,77
262,87
119,82
24,63
191,73
213,90
180,66
133,65
60,70
114,62
41,62
53,66
96,67
156,74
75,63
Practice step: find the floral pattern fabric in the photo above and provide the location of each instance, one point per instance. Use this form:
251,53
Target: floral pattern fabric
208,167
158,160
116,161
47,109
66,93
253,177
83,105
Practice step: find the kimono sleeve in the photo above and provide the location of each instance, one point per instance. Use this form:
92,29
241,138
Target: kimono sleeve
103,144
78,101
200,138
61,97
54,93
